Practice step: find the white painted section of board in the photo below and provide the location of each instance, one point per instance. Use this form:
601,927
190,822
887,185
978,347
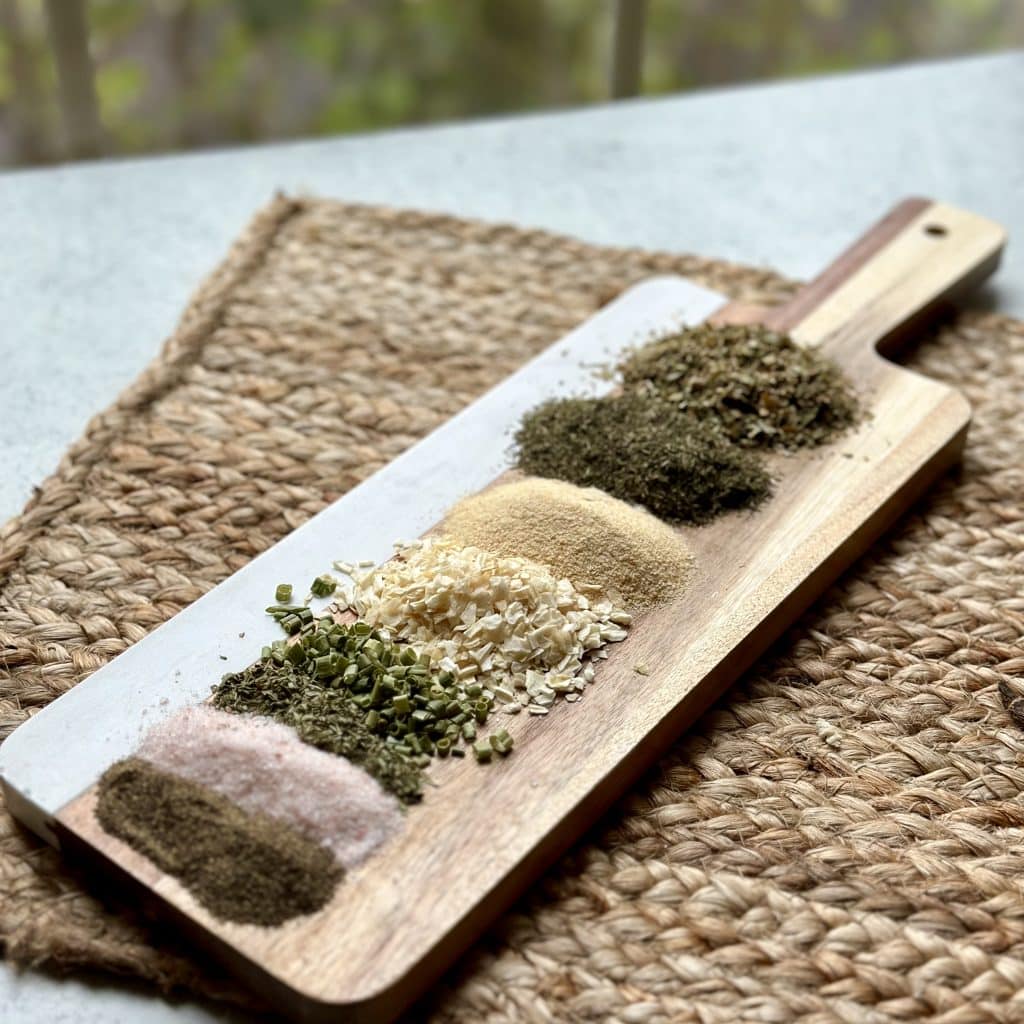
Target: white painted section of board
64,749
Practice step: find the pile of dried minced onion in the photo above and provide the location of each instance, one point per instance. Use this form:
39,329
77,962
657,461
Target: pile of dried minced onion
507,622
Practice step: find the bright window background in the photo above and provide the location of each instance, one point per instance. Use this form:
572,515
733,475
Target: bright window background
82,78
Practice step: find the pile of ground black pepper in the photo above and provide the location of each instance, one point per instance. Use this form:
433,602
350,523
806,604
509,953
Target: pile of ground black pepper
760,387
641,451
242,867
323,715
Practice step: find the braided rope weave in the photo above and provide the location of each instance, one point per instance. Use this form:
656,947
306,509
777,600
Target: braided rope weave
840,841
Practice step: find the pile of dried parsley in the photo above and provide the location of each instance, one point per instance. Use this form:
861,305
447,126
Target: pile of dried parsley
322,716
678,439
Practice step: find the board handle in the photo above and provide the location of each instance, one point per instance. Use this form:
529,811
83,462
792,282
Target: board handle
904,270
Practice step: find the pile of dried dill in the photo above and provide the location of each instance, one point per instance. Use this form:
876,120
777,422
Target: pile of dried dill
643,452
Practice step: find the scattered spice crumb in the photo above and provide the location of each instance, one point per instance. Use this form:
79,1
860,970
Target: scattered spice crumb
829,733
1013,702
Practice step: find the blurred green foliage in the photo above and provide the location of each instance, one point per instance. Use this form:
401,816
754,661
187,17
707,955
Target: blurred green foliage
172,74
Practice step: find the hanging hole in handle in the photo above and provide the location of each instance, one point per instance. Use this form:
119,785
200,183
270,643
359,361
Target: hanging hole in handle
935,230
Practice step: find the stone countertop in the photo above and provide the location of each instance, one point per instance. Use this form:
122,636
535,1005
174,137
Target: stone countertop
101,258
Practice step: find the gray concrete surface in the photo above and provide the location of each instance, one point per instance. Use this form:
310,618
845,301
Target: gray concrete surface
36,998
99,260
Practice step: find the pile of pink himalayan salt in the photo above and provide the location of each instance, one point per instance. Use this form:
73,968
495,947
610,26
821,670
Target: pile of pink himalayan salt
263,766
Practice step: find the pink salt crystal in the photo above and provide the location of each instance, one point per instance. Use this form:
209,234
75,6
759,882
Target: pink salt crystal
263,766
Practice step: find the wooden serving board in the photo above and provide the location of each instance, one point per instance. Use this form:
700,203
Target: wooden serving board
483,833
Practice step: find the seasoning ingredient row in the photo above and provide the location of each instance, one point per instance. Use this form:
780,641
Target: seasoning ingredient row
300,766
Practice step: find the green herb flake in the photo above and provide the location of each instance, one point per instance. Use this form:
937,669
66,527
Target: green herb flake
323,586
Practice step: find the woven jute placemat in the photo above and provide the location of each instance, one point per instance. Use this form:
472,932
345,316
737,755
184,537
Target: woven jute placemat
841,840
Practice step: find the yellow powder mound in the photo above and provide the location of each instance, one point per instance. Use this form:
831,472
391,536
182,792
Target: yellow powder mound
581,533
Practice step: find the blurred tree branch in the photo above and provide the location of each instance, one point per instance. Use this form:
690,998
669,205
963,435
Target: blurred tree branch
76,77
628,47
182,23
28,110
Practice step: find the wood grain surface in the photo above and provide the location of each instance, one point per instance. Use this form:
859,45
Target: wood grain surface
482,834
